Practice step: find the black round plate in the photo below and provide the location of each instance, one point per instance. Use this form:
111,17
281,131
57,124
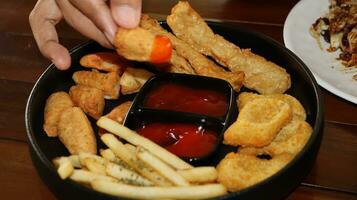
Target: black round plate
304,87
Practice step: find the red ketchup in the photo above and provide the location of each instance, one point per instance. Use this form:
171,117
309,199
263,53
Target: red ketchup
178,97
184,140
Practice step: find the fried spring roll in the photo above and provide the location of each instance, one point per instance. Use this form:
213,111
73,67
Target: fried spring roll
75,132
118,113
133,79
90,99
200,64
105,61
107,82
260,74
55,105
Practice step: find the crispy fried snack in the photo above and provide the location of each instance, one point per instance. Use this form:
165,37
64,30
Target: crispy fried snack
201,65
75,132
298,110
133,79
239,171
179,64
291,139
55,105
260,75
90,99
107,82
258,123
118,113
105,61
142,45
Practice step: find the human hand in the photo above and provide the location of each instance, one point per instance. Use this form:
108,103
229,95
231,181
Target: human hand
92,18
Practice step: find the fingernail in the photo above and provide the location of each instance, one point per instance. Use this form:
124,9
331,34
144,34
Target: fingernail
126,16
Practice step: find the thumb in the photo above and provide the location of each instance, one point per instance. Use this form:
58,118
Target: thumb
126,13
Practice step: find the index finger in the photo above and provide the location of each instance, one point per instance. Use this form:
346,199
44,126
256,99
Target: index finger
43,19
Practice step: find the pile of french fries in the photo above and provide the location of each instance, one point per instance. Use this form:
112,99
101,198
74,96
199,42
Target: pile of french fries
138,169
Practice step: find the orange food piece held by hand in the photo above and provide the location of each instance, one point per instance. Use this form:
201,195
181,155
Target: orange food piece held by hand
162,50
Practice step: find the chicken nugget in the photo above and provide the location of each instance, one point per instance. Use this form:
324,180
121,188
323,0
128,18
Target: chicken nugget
133,79
142,45
55,105
75,132
105,61
260,74
238,171
291,139
258,123
107,82
118,113
90,99
298,109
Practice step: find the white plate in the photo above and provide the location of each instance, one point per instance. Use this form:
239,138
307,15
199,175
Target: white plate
328,71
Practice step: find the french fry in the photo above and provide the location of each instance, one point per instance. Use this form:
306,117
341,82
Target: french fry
82,156
126,176
136,139
74,159
130,147
110,156
123,153
165,170
94,166
136,192
65,168
84,176
199,174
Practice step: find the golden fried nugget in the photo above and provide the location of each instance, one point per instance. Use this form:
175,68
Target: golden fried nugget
118,113
298,109
90,99
55,105
239,171
107,82
260,74
106,61
75,132
200,64
291,139
258,123
133,79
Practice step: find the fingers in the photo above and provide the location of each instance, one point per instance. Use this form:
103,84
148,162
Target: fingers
81,23
43,19
126,13
99,13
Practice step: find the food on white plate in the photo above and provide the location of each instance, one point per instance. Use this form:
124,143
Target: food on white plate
56,103
90,99
258,123
76,132
298,109
105,61
261,75
338,27
133,79
238,171
107,82
200,64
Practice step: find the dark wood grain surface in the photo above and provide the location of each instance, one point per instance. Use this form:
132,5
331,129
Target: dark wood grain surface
333,177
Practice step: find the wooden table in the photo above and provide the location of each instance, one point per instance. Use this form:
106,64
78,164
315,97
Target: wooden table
334,175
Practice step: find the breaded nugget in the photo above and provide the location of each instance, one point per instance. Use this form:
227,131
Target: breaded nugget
200,64
298,109
118,113
106,61
258,123
75,132
291,139
260,74
239,171
90,99
107,82
55,105
133,79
